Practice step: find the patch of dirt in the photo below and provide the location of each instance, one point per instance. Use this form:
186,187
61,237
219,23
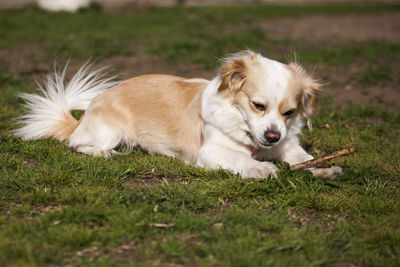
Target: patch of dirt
36,211
22,58
150,179
376,121
126,252
28,60
312,217
345,87
33,213
214,213
91,252
28,161
383,96
146,179
131,66
211,213
335,28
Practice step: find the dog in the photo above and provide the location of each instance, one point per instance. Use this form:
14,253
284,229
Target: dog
250,114
63,5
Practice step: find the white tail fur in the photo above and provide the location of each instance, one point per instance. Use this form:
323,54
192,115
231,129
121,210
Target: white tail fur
51,112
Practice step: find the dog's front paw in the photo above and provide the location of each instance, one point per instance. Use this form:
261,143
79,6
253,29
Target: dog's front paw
260,170
327,173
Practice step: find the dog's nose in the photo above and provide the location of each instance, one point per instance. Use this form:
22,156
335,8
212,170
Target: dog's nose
272,136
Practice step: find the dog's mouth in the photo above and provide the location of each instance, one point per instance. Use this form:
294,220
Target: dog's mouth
267,145
258,144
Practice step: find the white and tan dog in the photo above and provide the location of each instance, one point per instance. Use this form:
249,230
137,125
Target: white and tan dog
248,115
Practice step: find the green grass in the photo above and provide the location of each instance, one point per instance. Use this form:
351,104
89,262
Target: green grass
295,219
58,207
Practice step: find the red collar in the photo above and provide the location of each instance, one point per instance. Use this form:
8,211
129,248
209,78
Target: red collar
253,150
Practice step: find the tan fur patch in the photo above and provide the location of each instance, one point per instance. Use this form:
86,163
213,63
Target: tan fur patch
305,90
233,74
234,71
65,127
155,106
251,87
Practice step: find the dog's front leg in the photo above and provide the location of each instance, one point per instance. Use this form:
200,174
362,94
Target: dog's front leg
220,151
293,153
238,162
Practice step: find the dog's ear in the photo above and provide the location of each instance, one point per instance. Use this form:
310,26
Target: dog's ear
233,75
309,98
309,91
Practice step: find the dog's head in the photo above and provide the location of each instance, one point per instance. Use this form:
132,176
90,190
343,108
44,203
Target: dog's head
270,95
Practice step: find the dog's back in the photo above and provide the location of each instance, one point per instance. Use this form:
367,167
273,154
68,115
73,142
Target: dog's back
161,113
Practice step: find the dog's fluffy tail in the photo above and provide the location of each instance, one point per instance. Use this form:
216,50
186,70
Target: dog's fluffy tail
49,114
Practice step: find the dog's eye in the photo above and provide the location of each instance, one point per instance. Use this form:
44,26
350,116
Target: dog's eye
288,113
258,106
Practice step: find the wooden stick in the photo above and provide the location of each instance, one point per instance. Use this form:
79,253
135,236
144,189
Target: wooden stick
320,162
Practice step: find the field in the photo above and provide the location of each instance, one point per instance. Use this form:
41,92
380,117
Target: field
58,207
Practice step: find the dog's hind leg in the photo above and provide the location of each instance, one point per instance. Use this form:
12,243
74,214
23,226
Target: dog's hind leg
97,137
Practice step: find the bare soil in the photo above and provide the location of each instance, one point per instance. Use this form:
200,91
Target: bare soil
149,179
342,86
131,66
384,27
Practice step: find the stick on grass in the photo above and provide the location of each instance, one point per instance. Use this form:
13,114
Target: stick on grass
319,162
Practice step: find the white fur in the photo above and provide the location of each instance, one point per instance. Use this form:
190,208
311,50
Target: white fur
219,112
275,82
221,151
59,99
63,5
196,80
226,142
